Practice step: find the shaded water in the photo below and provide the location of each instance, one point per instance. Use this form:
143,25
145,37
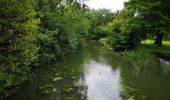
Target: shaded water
94,73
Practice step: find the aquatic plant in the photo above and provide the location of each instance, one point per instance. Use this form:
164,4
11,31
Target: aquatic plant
46,88
55,79
139,56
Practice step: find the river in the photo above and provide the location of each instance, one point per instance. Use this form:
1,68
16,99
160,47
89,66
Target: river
95,73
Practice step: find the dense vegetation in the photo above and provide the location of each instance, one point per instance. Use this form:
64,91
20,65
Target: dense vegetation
37,32
34,32
138,21
18,50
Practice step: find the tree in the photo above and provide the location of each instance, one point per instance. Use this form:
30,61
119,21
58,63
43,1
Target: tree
18,47
64,25
98,19
152,17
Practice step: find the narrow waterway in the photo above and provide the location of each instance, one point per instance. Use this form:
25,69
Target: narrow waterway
95,73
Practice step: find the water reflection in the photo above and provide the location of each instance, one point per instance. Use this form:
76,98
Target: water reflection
101,82
165,65
94,73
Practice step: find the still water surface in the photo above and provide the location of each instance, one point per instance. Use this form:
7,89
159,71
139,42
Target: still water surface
95,73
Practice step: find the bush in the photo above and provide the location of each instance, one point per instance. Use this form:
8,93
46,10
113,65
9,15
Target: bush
17,41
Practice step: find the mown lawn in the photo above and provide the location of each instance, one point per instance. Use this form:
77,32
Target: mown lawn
148,45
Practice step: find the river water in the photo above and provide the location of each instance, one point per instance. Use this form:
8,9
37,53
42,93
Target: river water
95,73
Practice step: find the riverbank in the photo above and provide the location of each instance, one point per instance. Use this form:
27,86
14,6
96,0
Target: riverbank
147,52
149,45
90,71
161,52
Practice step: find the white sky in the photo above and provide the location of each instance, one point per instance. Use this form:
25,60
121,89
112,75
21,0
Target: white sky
114,5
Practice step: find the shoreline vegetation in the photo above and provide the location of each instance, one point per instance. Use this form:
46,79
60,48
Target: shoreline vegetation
147,53
149,45
34,33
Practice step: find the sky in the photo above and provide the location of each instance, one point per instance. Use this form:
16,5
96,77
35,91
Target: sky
114,5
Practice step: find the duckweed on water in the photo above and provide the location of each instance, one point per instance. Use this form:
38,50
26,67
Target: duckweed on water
130,93
68,90
46,88
73,77
131,99
55,79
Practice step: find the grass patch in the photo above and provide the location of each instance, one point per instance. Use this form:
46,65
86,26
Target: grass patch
143,54
140,56
150,47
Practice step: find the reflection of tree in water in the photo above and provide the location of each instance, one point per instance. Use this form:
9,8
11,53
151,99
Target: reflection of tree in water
82,91
145,81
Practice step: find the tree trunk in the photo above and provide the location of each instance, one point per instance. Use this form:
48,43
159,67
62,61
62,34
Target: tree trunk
159,39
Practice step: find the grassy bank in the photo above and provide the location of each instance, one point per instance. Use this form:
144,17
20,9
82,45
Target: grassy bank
143,53
139,56
150,47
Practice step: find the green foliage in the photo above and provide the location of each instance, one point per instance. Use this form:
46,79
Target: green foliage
63,27
140,56
44,31
152,17
120,35
138,19
99,19
61,30
17,41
